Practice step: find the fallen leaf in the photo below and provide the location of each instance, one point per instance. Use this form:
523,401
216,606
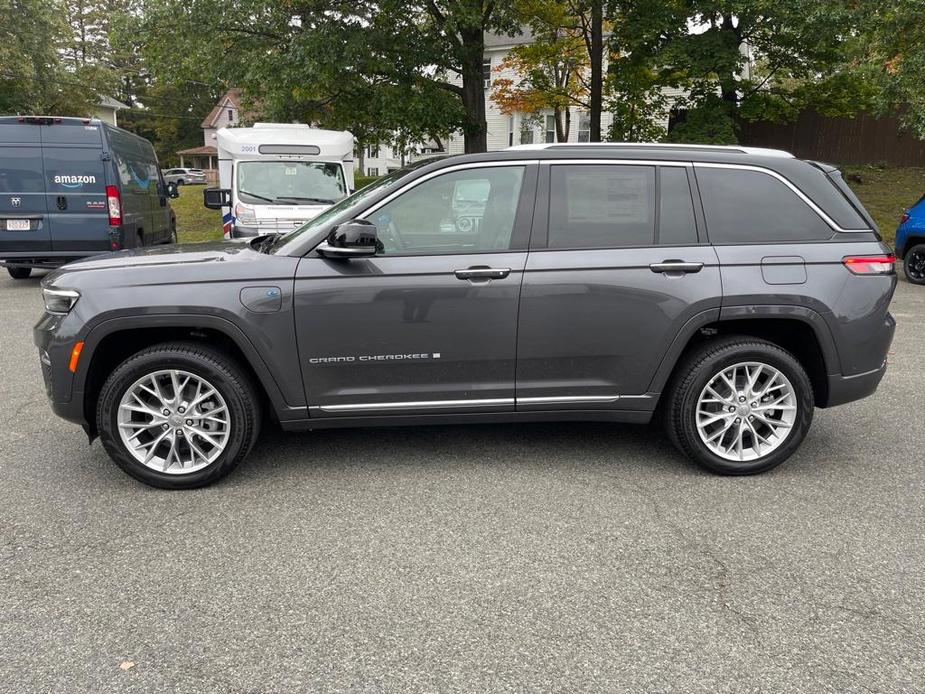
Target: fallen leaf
127,665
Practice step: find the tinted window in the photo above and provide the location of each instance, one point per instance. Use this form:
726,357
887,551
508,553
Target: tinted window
676,224
752,207
601,206
21,170
460,212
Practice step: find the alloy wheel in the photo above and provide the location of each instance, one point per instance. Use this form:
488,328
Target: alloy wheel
174,421
746,411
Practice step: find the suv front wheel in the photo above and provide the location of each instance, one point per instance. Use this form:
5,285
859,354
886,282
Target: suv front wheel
178,415
739,405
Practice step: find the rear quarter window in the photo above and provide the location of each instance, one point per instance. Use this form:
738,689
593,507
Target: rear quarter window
743,206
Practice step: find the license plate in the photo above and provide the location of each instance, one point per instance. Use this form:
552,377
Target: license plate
18,225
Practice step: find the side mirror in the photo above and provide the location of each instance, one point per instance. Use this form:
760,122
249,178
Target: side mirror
216,198
172,191
356,238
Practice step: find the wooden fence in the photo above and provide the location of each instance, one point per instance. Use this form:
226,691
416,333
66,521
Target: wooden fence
859,140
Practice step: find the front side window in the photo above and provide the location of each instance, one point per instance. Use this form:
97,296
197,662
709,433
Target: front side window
290,182
467,211
743,206
601,206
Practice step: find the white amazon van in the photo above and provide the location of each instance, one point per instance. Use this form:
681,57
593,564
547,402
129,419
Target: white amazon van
277,176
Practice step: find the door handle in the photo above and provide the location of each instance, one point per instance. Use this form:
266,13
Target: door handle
482,273
61,202
669,266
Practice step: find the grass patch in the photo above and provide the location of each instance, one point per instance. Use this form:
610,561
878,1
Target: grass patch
195,222
886,192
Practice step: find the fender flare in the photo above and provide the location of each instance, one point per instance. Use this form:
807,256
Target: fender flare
111,325
815,320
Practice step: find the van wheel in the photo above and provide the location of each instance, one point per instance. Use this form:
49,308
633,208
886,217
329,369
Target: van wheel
139,240
914,264
178,415
739,406
19,273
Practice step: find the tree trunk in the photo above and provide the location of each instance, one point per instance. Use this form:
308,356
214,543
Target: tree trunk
563,124
361,158
596,56
473,93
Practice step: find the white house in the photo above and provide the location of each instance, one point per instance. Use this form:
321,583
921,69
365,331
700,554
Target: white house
106,110
226,112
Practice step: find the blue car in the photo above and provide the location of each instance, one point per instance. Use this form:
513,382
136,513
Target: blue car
910,242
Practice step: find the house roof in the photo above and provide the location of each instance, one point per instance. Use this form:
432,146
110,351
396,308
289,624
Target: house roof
525,35
232,96
109,102
205,149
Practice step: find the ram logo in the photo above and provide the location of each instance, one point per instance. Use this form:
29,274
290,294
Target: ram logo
16,202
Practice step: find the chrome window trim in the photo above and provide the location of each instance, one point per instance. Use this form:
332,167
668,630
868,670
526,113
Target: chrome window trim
773,174
439,172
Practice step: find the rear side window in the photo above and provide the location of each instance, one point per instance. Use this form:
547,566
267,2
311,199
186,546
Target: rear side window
744,206
601,206
676,223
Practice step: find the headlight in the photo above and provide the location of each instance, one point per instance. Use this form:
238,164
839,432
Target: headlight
59,301
245,214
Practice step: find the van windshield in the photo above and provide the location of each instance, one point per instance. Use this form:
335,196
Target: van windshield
290,182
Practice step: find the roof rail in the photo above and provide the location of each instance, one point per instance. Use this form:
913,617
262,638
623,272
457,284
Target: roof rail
756,151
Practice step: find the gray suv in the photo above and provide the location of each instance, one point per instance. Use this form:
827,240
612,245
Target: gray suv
725,291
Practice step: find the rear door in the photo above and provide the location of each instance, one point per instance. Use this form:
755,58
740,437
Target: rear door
76,186
617,266
23,213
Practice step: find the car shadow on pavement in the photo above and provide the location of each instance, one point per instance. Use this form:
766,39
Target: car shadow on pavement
541,445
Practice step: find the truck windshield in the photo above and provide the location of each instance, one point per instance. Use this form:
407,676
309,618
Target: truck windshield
290,182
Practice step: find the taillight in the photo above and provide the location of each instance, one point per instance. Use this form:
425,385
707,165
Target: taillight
905,217
870,264
114,203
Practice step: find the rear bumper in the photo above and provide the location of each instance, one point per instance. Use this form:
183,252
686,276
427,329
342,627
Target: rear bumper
844,389
44,258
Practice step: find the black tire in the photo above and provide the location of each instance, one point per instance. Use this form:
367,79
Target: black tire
19,273
181,182
914,264
697,370
222,372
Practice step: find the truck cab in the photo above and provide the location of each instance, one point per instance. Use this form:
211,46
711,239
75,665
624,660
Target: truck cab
274,177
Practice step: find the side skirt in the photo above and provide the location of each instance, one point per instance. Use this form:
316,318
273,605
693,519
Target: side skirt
618,416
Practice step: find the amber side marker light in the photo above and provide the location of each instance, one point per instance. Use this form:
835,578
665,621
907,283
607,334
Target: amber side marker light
75,356
870,264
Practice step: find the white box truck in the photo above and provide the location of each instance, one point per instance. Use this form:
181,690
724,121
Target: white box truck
274,177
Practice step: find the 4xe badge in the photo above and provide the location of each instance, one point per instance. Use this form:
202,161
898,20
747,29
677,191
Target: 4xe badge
16,202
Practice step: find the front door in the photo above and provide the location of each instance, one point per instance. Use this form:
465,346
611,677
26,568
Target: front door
428,325
615,271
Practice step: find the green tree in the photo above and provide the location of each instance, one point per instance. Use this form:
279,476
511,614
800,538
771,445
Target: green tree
738,59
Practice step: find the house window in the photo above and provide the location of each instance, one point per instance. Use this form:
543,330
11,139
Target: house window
372,171
486,73
372,151
584,126
550,129
230,115
526,134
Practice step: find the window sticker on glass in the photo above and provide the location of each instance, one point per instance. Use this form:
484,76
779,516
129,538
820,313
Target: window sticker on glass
617,197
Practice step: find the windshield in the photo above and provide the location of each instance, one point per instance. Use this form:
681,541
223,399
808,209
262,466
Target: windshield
290,182
346,206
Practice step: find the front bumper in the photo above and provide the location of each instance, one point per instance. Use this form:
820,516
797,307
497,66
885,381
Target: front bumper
55,340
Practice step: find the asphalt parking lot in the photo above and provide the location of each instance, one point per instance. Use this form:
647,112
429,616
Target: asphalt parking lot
572,557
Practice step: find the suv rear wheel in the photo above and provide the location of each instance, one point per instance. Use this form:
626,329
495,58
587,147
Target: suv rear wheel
914,264
19,273
178,415
739,406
